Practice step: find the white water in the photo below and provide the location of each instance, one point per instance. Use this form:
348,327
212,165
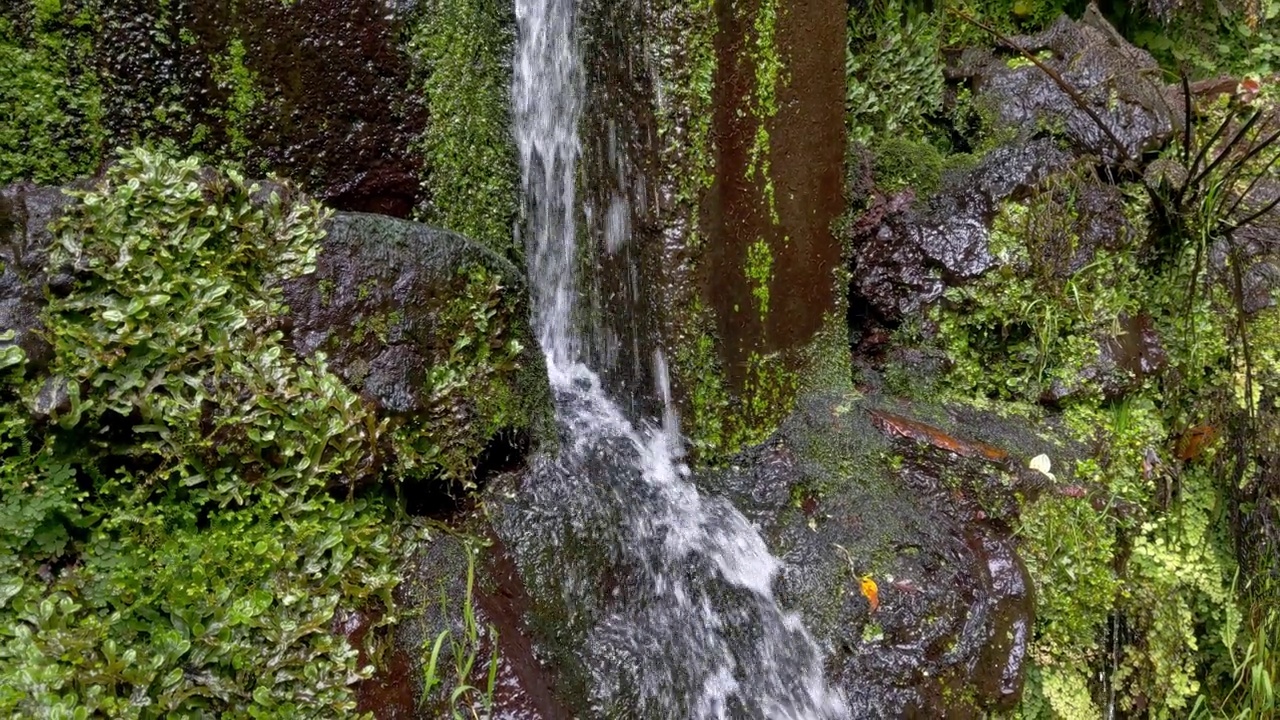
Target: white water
693,629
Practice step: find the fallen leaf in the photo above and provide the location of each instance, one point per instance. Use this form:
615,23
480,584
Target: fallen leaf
1043,465
870,591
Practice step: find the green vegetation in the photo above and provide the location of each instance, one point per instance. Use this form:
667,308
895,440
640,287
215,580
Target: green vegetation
455,694
1239,37
470,396
244,94
461,50
759,270
169,533
769,70
900,163
50,99
1156,601
893,69
1139,592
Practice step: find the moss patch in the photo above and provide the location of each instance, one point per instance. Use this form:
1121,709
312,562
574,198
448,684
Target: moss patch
462,52
50,97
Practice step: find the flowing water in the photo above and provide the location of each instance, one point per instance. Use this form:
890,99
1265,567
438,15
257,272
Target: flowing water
691,627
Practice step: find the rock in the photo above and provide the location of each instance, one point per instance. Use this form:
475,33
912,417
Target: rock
1125,359
931,528
434,590
25,212
906,255
377,307
320,93
1119,83
850,485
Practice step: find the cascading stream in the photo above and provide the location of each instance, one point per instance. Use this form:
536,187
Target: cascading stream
693,628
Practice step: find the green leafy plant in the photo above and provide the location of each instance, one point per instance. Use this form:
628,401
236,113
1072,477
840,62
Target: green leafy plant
170,544
893,68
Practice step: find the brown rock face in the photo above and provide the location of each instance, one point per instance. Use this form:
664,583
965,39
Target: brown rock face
318,91
805,156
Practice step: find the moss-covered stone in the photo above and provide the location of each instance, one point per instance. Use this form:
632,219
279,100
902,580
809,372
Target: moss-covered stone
166,509
434,329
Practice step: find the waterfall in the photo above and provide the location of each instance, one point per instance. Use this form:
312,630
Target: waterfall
692,628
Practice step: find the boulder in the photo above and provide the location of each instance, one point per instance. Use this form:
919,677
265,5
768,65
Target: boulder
906,254
426,324
854,486
1129,108
850,486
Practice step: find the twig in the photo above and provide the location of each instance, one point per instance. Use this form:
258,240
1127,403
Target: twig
1065,86
1186,122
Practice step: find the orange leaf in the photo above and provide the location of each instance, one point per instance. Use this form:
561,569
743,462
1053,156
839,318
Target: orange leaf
870,591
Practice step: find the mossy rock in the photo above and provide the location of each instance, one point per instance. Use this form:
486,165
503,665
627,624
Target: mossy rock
841,493
433,329
429,327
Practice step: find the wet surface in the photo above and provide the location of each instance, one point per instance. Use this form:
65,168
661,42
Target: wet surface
950,634
323,94
25,212
620,166
906,253
807,139
1120,84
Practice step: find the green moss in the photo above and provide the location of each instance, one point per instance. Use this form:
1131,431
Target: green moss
471,393
50,98
244,97
687,62
764,98
901,163
759,271
719,422
327,287
461,50
1155,561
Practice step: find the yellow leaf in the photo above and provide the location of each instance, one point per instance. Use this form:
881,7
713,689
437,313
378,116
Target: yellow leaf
870,591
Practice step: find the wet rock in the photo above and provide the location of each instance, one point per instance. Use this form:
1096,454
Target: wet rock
319,92
1255,244
1125,359
433,599
25,212
850,486
1120,85
930,526
375,305
907,254
53,398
